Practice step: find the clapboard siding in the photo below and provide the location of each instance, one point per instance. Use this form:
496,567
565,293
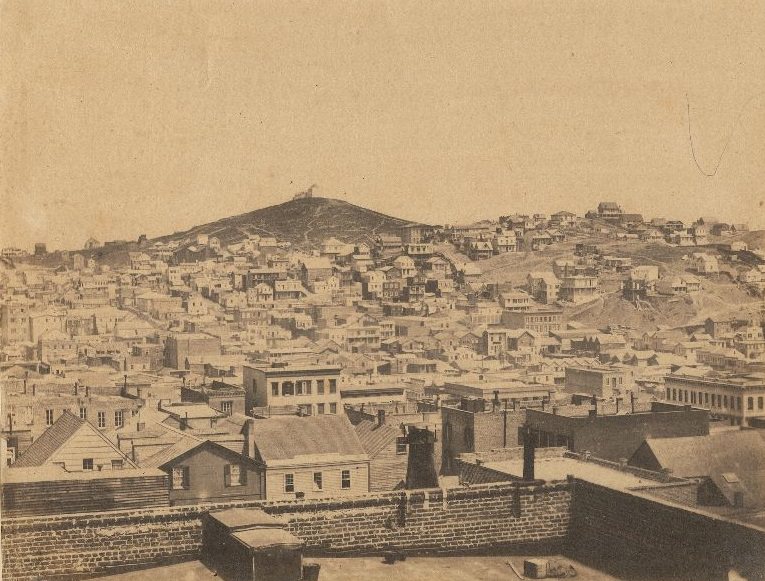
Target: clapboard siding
71,496
86,443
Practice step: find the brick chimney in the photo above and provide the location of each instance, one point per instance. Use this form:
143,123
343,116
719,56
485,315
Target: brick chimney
528,453
380,417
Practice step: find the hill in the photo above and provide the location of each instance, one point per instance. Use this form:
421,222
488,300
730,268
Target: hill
303,222
720,297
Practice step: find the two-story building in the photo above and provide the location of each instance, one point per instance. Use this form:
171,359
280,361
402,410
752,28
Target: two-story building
312,388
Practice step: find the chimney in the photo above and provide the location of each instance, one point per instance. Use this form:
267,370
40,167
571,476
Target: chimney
246,429
632,402
76,387
380,417
34,389
594,402
593,413
185,421
528,453
555,410
87,391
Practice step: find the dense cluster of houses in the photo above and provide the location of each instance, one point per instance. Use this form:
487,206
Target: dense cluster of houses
255,369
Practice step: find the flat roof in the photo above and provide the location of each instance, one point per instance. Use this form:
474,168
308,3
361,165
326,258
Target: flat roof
457,568
560,468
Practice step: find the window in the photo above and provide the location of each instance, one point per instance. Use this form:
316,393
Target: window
319,409
320,386
116,464
180,477
345,479
333,408
725,401
288,388
706,399
332,386
101,419
274,388
669,393
317,481
750,403
289,483
118,418
87,463
83,413
233,475
760,402
48,417
400,445
227,407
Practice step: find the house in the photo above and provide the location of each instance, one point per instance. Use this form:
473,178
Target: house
732,464
703,263
609,211
405,264
480,250
201,470
543,286
75,445
387,448
315,268
640,283
503,242
310,457
515,301
563,219
578,288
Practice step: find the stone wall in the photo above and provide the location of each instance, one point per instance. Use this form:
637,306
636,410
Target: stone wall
456,520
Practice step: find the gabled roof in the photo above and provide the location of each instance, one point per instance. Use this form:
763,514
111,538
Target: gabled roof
740,451
375,437
52,439
289,438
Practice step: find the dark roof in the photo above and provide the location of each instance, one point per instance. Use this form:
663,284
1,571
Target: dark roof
185,447
375,437
51,440
284,438
740,453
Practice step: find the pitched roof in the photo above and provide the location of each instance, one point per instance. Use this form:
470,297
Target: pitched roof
186,443
739,451
375,437
51,440
44,447
287,437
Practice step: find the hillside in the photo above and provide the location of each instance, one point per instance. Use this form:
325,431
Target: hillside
720,297
303,222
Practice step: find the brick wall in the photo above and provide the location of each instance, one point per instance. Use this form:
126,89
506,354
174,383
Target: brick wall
476,518
656,538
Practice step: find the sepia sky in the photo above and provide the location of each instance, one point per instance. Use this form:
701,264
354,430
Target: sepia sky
122,117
